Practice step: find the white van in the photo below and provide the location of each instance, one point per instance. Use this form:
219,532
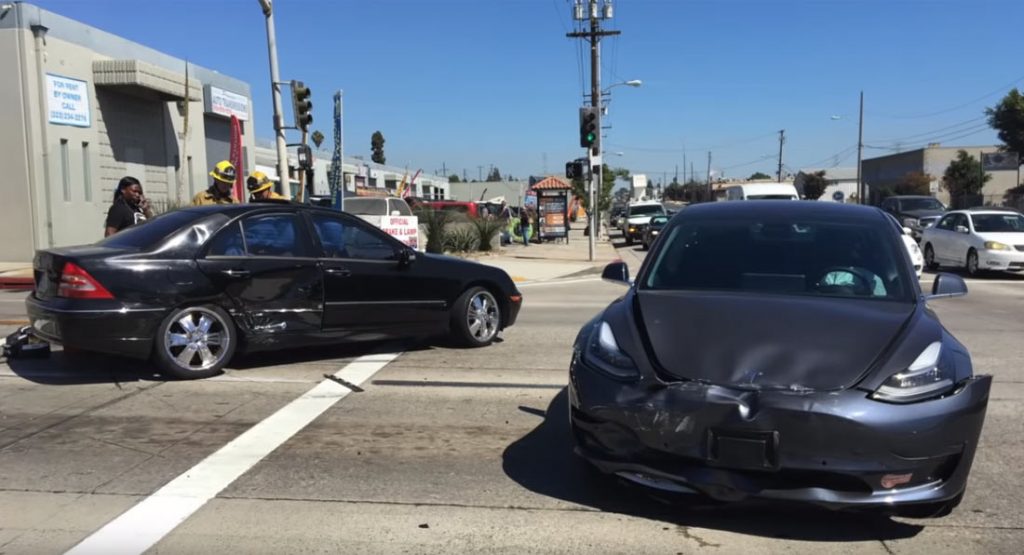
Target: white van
762,191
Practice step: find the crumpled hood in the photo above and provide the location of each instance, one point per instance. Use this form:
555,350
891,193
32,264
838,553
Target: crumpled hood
768,341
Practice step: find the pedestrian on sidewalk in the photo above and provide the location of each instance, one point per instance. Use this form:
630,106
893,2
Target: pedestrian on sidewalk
223,175
261,187
130,207
524,225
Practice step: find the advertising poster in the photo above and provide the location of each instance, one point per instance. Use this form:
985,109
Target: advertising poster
554,211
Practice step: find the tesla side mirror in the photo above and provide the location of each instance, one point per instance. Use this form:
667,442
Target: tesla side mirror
962,229
948,285
616,272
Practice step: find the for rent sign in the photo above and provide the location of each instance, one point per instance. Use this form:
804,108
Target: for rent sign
68,101
404,228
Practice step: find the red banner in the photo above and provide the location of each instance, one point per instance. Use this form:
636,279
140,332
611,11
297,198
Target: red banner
236,158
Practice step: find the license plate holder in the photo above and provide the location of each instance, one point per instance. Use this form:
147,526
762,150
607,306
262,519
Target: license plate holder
743,450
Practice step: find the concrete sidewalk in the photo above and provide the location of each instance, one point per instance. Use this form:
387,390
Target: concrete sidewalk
551,260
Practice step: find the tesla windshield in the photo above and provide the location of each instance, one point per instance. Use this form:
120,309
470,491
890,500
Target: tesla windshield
835,259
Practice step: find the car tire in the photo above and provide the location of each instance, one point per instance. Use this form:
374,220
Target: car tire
972,263
629,240
645,246
195,342
476,318
929,257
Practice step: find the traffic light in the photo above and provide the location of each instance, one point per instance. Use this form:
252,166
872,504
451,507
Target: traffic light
589,132
574,170
302,106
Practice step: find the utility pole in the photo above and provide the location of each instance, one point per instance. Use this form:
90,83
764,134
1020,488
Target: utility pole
693,175
684,165
710,195
594,35
782,140
275,86
479,173
860,151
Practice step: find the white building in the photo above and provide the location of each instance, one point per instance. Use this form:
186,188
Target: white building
82,108
842,183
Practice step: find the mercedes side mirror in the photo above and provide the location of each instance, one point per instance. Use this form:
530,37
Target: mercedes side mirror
616,272
406,257
948,285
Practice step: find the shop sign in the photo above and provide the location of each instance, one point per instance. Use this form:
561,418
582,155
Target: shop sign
226,103
404,228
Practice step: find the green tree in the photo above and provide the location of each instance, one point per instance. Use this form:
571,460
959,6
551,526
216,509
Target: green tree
675,192
1007,118
454,178
377,146
964,176
759,175
914,183
318,138
494,176
814,185
604,196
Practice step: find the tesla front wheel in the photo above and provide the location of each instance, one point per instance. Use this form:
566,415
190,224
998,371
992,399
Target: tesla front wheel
195,342
476,318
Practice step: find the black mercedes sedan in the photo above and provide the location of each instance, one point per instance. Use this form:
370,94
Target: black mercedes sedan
192,287
780,351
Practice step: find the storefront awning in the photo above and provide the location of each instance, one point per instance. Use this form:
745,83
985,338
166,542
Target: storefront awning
550,183
142,76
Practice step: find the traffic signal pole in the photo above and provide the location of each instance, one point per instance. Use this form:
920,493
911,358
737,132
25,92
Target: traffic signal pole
594,152
275,85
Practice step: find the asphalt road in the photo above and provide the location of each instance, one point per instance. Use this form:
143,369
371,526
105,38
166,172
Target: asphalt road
438,451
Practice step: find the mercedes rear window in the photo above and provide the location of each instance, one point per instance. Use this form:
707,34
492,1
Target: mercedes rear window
147,234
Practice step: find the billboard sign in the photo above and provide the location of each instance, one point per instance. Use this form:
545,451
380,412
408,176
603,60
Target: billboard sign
993,161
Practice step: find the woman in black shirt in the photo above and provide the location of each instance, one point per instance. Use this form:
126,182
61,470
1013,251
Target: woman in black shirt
129,207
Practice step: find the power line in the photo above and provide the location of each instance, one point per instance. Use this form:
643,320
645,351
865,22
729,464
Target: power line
974,121
957,107
695,149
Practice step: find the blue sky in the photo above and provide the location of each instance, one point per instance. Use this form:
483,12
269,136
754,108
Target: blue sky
469,83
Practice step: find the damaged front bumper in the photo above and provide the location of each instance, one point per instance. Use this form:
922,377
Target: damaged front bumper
840,450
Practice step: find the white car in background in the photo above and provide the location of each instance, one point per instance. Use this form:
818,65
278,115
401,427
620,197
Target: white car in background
916,258
977,239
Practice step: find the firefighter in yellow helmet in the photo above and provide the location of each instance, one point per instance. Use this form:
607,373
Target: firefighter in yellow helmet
223,175
261,187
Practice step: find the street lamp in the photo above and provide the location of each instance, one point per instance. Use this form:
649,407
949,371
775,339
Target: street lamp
861,190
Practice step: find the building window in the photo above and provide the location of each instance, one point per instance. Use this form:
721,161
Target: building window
86,172
65,168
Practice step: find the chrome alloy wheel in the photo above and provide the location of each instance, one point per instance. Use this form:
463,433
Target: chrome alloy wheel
197,339
482,317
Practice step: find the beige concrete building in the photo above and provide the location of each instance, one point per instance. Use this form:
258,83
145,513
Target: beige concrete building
933,160
81,109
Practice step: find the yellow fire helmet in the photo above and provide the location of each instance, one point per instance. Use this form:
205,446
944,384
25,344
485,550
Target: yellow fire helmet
258,181
224,171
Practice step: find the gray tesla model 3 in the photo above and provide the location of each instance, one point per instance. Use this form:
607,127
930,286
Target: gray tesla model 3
782,351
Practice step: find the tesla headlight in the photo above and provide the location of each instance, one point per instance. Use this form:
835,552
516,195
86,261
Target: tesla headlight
911,222
603,353
997,246
925,378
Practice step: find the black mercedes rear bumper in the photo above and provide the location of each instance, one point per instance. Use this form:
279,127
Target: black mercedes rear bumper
837,450
101,326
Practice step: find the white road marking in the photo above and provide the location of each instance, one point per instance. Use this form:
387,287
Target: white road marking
145,524
557,282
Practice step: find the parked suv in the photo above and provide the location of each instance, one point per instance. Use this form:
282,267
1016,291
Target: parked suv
915,211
